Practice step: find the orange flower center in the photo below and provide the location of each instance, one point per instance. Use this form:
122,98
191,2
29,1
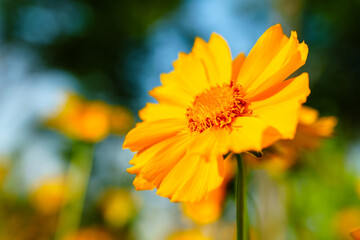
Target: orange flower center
217,107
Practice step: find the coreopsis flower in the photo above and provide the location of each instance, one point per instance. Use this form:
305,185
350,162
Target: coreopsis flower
82,120
118,207
355,233
210,105
311,130
210,209
189,235
90,121
49,195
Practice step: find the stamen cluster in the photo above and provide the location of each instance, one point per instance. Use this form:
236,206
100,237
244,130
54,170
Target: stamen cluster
217,107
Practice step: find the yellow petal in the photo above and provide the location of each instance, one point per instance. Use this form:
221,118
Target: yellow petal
216,59
209,143
159,159
146,134
191,179
208,64
208,210
236,65
189,74
171,94
222,57
281,110
141,184
246,135
157,150
153,112
273,58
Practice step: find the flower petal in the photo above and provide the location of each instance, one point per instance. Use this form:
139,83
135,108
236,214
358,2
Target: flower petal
209,143
141,184
273,58
189,73
222,57
153,112
216,59
281,110
191,179
236,65
146,134
246,135
157,161
171,94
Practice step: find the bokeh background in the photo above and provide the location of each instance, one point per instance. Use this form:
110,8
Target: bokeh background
102,57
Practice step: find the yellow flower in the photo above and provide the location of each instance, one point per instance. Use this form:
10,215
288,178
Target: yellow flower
355,234
210,209
188,235
346,221
49,195
210,105
78,119
90,233
90,121
118,207
310,131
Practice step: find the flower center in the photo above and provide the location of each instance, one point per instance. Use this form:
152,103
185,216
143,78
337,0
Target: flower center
217,107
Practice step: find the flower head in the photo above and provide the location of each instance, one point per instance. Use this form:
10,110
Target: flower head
210,105
90,121
50,195
118,207
82,120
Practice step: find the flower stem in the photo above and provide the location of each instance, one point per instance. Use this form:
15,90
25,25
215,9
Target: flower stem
76,187
240,199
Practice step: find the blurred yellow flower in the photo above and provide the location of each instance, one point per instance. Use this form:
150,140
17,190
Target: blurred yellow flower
118,207
90,121
91,233
355,234
210,209
49,195
346,221
310,131
78,119
210,105
189,235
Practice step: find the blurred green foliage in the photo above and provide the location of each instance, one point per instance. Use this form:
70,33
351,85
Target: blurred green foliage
94,40
331,30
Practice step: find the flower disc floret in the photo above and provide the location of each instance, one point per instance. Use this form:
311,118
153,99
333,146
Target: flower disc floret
217,107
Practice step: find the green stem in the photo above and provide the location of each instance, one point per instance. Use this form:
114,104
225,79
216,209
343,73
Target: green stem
240,200
76,186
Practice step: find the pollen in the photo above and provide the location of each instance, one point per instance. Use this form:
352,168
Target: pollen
217,107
